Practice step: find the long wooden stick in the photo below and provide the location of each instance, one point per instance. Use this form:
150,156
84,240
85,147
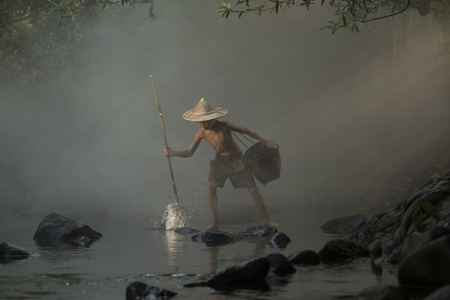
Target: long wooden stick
165,143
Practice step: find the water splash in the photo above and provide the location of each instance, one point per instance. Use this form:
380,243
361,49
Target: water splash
175,217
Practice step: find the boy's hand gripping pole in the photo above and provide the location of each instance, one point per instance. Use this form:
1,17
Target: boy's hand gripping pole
165,143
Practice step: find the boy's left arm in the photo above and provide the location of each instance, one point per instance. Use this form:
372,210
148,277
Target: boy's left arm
253,134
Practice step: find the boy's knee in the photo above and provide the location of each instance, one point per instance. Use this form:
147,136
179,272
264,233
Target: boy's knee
212,186
253,190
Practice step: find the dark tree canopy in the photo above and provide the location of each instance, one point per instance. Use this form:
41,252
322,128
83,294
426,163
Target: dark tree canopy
349,13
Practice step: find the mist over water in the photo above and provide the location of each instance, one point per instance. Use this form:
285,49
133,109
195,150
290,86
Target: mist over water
91,143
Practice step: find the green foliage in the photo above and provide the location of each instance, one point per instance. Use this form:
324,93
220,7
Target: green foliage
349,13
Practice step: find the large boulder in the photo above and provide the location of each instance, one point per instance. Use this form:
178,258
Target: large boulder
338,250
10,252
344,225
442,293
56,228
428,266
141,291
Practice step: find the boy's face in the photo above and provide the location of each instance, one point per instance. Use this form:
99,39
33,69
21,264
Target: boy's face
207,124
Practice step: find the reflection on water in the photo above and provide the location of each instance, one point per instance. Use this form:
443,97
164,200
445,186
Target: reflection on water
175,245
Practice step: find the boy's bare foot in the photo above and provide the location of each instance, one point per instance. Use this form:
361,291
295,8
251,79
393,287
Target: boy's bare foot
271,224
214,226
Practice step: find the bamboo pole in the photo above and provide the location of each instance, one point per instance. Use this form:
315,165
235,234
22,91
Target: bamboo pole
165,143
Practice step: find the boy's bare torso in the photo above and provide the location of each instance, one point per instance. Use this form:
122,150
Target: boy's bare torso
219,137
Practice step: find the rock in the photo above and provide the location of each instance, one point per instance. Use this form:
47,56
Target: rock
279,264
215,238
10,252
141,291
198,237
345,225
257,232
277,240
56,228
306,257
416,240
442,293
245,275
428,266
340,250
383,292
84,231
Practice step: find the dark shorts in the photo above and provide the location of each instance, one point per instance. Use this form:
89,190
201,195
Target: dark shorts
232,167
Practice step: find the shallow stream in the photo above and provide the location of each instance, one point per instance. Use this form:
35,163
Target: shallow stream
133,251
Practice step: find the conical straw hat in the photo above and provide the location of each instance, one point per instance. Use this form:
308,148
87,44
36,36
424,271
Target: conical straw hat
204,111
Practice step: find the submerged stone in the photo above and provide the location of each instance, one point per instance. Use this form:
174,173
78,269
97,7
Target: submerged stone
10,252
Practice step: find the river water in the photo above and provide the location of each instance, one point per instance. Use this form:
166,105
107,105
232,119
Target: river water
131,250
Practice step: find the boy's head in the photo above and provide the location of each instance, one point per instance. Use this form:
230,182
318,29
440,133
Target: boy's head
204,111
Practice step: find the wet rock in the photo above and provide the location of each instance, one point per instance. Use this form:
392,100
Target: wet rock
428,266
340,250
306,257
186,230
257,232
277,240
417,240
141,291
421,218
383,292
442,293
216,237
10,252
249,274
279,264
56,228
198,237
344,225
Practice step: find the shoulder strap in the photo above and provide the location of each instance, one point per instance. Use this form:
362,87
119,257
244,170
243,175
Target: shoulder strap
232,132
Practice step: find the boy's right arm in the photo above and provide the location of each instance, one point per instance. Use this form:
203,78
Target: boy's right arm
169,152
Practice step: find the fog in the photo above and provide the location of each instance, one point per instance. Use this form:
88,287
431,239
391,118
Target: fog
92,144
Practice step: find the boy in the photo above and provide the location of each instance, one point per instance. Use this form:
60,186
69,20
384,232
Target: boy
228,162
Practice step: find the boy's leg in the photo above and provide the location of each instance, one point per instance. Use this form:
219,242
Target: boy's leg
213,201
259,201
